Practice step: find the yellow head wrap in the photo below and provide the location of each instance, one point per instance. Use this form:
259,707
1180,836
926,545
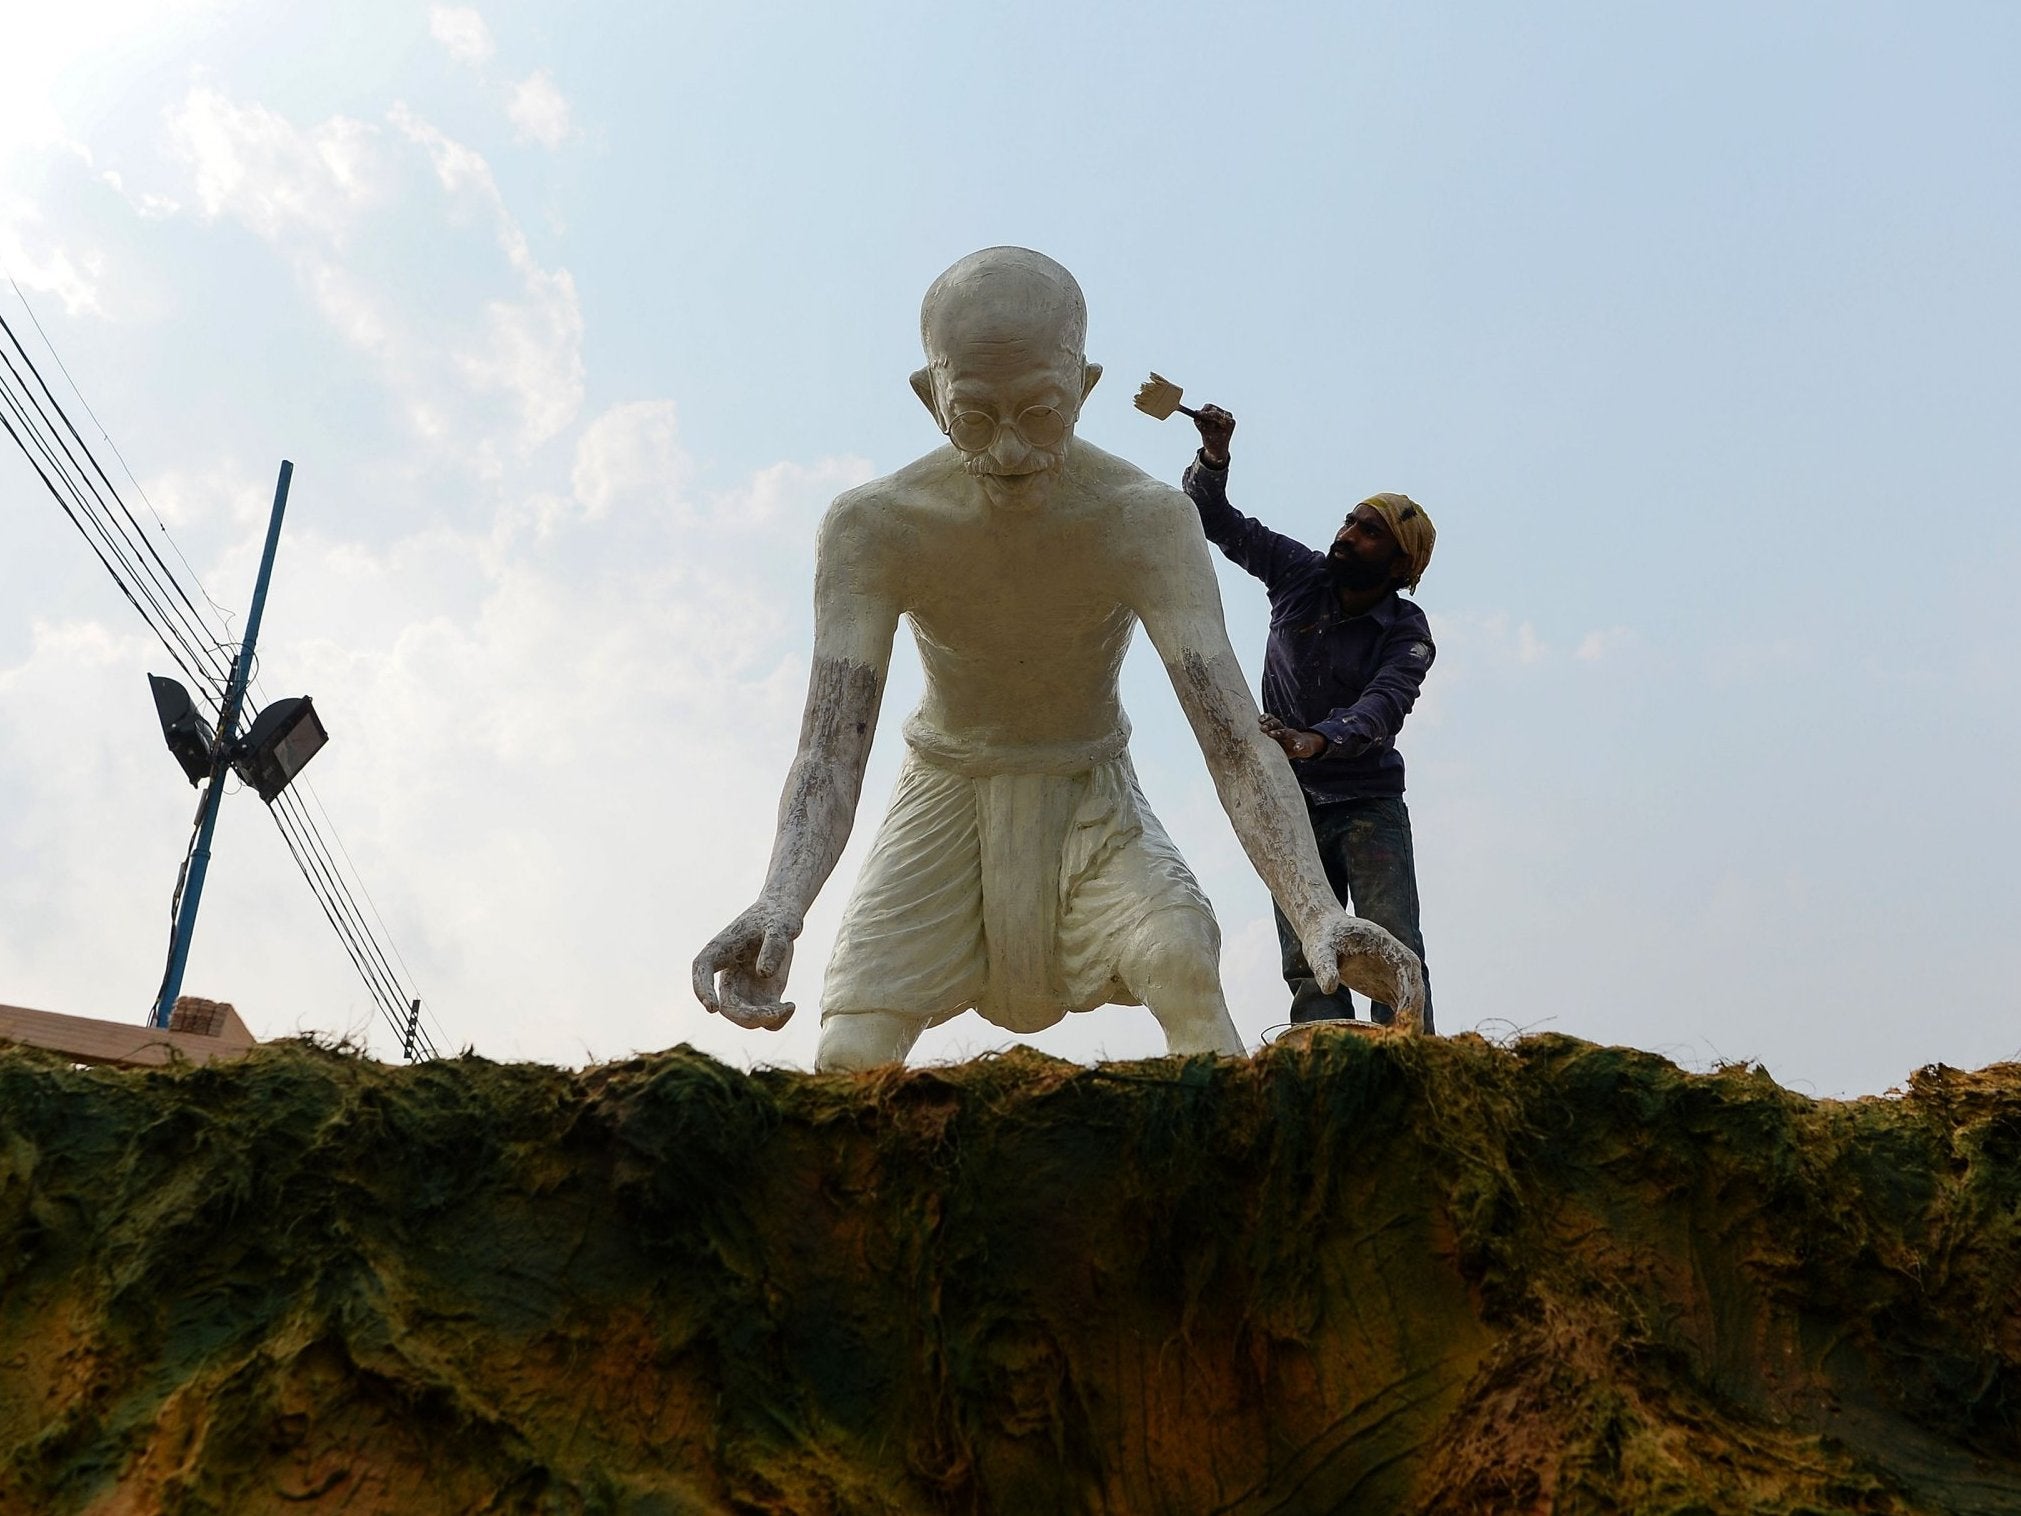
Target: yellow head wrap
1412,528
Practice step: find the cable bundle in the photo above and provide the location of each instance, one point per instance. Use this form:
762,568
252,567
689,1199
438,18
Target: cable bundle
37,423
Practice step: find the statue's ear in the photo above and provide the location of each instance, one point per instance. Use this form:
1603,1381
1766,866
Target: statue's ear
922,386
1089,375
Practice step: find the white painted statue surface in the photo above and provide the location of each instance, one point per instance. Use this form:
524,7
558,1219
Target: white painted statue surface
1019,871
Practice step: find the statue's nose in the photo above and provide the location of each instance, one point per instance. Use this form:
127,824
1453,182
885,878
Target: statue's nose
1010,453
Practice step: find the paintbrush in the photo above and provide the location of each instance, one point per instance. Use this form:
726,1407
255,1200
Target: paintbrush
1158,397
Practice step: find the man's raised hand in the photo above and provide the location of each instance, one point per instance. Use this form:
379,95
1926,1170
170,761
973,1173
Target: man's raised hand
1217,428
752,955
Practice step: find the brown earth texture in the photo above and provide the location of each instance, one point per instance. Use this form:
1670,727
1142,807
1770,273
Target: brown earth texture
1375,1275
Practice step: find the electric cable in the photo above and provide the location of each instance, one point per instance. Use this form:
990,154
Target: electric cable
129,546
301,847
398,1000
135,575
337,837
138,488
394,1021
69,426
403,997
117,578
348,903
207,658
306,823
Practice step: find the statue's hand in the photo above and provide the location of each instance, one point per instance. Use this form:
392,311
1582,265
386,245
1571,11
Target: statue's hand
1361,955
752,955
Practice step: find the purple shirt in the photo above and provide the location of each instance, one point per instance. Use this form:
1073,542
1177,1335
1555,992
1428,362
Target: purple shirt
1352,679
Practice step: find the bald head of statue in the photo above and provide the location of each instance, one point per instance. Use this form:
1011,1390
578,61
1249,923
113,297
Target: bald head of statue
1005,331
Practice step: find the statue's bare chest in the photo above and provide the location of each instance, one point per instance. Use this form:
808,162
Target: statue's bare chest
1017,594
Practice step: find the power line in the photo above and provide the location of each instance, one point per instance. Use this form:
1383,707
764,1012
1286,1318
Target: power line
336,837
173,633
125,467
178,653
307,860
305,842
203,655
127,542
138,535
409,1001
427,1012
298,849
330,887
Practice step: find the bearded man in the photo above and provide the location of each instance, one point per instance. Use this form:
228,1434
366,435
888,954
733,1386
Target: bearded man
1019,871
1346,658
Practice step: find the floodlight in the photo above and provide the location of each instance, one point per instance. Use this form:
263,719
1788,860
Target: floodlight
280,742
188,735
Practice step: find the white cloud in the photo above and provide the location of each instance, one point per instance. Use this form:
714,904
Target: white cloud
281,182
1469,642
93,840
43,43
532,351
774,494
353,310
146,204
462,32
531,348
461,169
516,331
630,455
219,495
41,266
539,111
1609,642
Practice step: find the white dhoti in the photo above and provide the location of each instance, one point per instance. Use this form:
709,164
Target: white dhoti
1014,894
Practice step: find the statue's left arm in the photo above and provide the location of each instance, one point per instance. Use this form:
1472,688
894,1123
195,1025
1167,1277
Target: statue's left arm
1174,592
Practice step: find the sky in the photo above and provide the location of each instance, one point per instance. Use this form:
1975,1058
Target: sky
1696,329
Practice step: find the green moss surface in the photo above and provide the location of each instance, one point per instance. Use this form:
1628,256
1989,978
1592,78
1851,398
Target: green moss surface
1380,1275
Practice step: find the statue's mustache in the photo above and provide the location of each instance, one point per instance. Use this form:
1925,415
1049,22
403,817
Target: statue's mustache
980,465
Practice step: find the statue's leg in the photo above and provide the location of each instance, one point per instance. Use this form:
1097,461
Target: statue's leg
855,1040
911,933
1172,963
1135,912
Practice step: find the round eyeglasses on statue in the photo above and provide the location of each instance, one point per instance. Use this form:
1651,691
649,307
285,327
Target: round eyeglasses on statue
976,431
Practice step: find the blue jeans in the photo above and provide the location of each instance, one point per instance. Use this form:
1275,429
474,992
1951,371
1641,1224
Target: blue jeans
1365,846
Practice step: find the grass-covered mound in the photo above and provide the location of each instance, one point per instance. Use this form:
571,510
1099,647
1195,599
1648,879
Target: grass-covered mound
1382,1276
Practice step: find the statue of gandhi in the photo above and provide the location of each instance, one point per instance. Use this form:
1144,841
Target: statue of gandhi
1019,871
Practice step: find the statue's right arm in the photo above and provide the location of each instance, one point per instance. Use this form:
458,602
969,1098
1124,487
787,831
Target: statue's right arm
742,972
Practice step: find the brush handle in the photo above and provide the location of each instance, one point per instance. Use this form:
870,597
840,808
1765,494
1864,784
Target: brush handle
1187,410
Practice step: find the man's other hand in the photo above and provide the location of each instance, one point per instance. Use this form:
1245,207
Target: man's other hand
1296,744
1217,428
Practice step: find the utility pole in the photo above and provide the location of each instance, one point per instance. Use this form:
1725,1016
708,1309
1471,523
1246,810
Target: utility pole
222,753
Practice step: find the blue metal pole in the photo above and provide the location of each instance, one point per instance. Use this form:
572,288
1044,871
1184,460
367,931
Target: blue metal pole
221,762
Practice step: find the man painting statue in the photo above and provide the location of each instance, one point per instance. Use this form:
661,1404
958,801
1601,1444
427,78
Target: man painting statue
1019,871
